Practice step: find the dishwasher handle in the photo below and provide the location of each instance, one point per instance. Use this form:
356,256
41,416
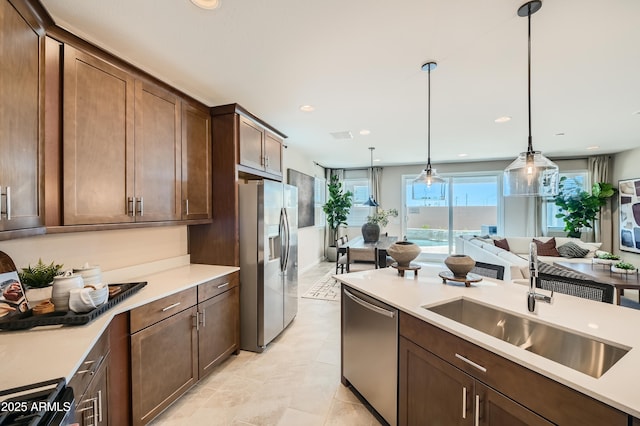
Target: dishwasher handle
370,306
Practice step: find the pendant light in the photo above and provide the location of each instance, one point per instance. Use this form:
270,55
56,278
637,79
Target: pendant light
531,174
371,202
428,176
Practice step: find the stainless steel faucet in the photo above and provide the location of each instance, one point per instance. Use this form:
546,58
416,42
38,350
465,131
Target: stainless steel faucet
533,277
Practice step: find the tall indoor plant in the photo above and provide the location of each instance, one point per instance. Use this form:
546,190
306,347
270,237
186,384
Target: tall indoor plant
579,209
336,208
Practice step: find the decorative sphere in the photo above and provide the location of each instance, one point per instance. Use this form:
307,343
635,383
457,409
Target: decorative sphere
460,264
403,252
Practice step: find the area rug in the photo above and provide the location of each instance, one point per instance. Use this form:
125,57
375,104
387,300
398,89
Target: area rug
326,288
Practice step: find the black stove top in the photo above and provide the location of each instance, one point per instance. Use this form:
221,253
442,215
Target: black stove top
49,403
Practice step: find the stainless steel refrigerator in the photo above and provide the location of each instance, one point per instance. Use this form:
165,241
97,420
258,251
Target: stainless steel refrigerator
268,214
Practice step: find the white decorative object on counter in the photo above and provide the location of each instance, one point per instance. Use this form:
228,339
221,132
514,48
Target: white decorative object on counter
62,285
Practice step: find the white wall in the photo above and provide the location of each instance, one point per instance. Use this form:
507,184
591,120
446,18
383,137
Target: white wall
109,249
625,166
310,239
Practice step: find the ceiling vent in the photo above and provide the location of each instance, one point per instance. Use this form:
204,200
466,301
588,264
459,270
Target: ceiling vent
342,135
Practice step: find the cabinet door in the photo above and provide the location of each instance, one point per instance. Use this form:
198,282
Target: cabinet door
20,120
273,153
251,144
98,162
196,163
219,325
157,154
164,364
496,409
91,408
432,391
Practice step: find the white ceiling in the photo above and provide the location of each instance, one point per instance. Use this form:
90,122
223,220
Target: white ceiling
358,63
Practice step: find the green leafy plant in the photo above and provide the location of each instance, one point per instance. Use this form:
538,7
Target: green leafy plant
625,265
381,217
608,256
337,206
579,209
40,275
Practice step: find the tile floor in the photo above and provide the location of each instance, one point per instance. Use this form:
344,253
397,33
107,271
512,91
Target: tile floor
296,381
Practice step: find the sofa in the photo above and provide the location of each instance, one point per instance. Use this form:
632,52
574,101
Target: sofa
516,259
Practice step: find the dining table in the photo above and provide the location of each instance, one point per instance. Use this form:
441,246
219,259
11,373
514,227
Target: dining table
383,243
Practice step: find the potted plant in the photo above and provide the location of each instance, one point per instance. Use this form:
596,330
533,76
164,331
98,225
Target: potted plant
578,208
38,279
623,268
371,229
606,258
336,209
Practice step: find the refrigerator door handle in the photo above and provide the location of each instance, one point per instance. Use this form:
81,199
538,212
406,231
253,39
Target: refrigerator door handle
286,242
282,232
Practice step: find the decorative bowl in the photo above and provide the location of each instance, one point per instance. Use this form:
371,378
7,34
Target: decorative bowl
460,264
403,252
622,270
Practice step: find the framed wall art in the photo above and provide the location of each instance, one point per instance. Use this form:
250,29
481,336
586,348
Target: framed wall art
629,206
306,196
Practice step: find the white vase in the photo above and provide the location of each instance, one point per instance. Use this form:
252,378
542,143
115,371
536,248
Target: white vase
623,271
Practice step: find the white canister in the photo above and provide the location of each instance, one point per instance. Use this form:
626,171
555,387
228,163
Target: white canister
62,285
91,274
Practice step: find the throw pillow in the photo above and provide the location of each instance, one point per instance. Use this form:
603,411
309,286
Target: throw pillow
503,244
571,249
548,248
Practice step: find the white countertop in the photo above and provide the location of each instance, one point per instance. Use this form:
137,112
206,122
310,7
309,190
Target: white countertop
44,353
606,322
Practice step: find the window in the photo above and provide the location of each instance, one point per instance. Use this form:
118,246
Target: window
578,181
360,189
320,196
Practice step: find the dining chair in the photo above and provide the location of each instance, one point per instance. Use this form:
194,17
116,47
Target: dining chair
341,254
587,289
360,259
489,270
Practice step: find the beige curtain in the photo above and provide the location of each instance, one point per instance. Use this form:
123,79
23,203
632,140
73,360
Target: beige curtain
533,207
599,171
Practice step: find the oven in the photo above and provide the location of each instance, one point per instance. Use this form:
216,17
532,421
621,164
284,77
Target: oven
49,403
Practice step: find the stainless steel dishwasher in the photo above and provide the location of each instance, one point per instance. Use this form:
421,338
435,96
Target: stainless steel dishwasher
370,351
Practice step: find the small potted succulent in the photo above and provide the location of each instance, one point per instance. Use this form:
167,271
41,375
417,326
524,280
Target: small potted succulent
38,279
624,268
606,258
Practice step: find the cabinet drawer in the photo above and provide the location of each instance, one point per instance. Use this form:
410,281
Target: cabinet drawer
90,365
552,400
217,285
146,315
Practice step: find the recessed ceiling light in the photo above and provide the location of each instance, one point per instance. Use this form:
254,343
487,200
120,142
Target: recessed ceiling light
637,112
307,108
462,155
365,132
592,147
376,160
560,134
207,4
502,119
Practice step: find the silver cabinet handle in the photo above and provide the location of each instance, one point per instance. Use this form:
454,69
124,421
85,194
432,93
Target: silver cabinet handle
464,402
196,320
99,406
140,210
94,366
473,364
477,419
171,306
204,324
370,306
223,285
186,205
131,206
7,196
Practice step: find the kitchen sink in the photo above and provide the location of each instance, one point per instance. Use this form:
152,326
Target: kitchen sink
583,353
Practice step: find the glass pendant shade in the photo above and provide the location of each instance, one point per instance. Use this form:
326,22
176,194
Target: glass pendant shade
371,202
531,174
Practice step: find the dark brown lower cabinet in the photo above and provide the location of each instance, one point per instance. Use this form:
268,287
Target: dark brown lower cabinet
164,364
446,380
434,392
218,332
91,407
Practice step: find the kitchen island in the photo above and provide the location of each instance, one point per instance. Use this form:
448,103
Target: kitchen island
605,322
